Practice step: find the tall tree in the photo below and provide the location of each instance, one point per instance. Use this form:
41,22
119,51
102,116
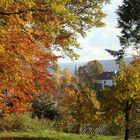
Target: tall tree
80,107
88,73
31,32
122,102
67,80
129,24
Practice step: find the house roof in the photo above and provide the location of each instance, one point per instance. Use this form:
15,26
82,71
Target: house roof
106,75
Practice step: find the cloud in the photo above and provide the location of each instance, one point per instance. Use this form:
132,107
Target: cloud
91,53
99,39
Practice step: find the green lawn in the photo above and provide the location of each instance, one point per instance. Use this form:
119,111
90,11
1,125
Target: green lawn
52,135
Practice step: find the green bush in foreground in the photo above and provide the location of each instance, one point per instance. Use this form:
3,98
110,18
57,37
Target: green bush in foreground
23,122
44,106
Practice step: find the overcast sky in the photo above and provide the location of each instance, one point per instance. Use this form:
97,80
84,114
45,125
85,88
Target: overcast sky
99,39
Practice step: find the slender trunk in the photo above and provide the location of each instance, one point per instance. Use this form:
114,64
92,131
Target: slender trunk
127,129
126,134
78,128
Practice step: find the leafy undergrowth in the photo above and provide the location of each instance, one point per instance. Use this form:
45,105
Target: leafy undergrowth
25,127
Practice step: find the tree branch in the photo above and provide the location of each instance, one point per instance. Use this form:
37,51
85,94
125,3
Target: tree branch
22,11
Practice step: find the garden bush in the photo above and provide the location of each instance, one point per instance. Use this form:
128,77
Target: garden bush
24,122
45,106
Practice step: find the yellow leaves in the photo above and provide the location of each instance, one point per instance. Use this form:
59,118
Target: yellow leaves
54,17
125,96
67,76
29,3
2,49
17,78
6,2
29,32
119,120
70,93
58,6
20,21
82,105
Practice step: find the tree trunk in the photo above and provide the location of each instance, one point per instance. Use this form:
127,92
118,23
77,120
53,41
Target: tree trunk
78,128
126,134
127,129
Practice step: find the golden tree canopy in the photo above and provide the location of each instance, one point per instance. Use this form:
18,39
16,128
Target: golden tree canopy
30,32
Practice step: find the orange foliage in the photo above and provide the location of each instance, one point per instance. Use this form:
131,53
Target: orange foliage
30,31
25,61
24,68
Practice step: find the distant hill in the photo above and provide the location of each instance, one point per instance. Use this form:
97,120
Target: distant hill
108,65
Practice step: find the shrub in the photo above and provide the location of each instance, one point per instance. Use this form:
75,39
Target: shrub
13,122
44,106
24,122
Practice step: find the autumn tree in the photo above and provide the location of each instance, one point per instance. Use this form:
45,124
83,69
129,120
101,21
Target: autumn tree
121,103
129,24
79,108
30,34
88,73
67,80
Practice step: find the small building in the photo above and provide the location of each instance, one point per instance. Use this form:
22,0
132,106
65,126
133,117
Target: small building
106,79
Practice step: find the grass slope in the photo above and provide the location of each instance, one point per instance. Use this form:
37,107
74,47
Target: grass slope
53,135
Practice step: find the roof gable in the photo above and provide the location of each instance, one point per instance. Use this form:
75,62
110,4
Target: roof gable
106,76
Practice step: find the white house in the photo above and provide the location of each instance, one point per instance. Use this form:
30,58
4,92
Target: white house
106,79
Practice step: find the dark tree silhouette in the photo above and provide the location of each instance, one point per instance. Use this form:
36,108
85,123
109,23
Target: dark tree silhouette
129,23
